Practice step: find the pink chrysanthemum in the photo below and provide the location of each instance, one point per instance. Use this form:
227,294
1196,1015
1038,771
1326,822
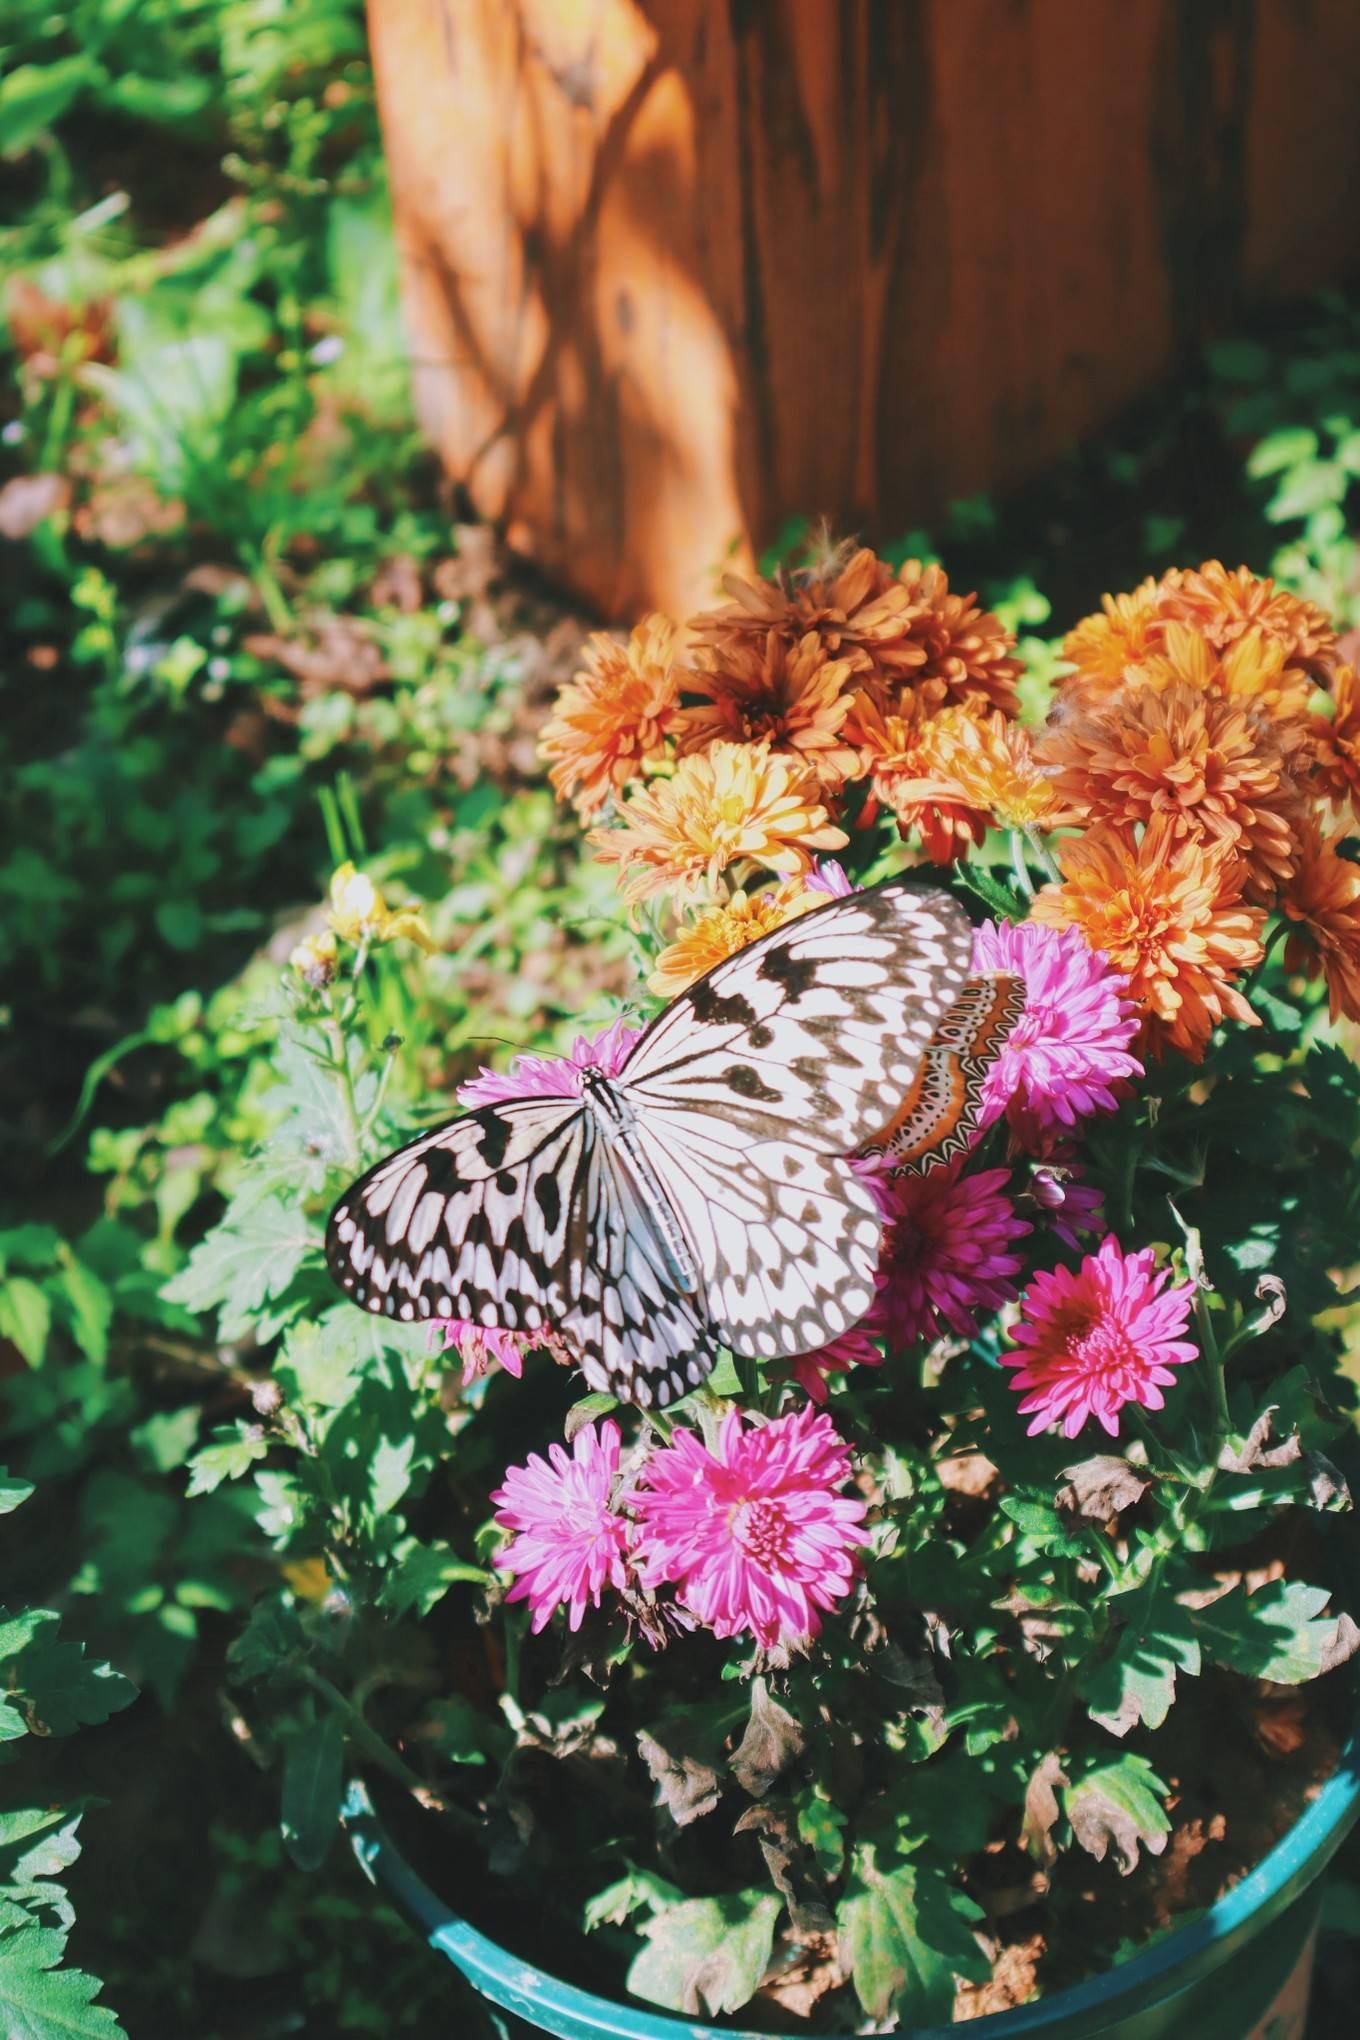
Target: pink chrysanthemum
568,1543
1098,1337
829,878
754,1534
855,1348
1069,1056
480,1347
553,1076
948,1251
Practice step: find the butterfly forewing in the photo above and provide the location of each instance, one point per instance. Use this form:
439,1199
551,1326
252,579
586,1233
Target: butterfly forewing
819,1027
468,1221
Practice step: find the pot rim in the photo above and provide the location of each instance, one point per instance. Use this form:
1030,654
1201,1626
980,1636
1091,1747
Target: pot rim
1185,1954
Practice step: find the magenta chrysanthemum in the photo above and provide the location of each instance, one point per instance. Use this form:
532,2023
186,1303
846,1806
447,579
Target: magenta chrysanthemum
568,1543
553,1076
948,1251
1069,1056
855,1348
754,1534
479,1347
1097,1337
830,878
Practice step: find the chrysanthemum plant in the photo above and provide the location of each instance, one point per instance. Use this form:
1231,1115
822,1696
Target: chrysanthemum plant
854,1679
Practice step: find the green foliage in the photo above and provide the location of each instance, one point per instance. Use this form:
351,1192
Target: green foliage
706,1955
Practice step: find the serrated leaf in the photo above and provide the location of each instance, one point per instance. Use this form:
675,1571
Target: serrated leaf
231,1452
1119,1805
707,1956
419,1575
313,1787
628,1895
1042,1528
682,1754
50,1682
1278,1633
245,1261
1002,899
905,1934
1137,1682
39,2001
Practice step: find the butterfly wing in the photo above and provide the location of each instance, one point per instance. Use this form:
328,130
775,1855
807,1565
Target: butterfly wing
786,1238
474,1220
752,1087
817,1028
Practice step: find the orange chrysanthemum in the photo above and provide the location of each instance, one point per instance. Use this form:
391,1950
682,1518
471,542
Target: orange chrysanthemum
1226,605
1322,902
1214,767
730,803
1168,912
895,752
988,765
969,655
726,928
849,597
766,690
1252,671
611,719
1125,629
1335,742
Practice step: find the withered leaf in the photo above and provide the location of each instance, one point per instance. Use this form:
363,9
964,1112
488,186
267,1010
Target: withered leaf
1100,1487
791,1864
771,1742
682,1761
1042,1809
1119,1805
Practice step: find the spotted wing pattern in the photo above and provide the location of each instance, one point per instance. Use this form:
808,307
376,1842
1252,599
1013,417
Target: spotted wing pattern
712,1203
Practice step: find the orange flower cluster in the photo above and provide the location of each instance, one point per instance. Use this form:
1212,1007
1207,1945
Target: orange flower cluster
1187,771
803,703
1184,744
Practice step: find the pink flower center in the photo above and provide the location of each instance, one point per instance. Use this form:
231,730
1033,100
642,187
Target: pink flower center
761,1528
1101,1348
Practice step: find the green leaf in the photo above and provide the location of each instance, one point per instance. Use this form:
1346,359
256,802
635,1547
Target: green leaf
25,1317
1119,1804
820,1826
1137,1682
57,1689
1002,899
90,1303
39,2001
1042,1528
1278,1633
1308,487
420,1575
708,1955
231,1452
906,1934
13,1492
627,1895
313,1786
33,97
246,1261
1283,449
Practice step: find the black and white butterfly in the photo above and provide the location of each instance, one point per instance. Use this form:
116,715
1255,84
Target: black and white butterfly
701,1198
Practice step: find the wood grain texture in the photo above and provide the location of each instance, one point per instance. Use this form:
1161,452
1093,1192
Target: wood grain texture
676,270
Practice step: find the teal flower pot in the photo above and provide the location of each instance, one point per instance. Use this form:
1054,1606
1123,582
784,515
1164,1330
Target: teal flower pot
1239,1972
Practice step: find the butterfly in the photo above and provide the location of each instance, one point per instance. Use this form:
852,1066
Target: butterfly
701,1197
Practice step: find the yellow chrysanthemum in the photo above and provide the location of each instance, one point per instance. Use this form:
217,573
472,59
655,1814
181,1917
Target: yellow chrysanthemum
610,721
987,764
1322,904
729,804
1252,671
726,928
767,690
314,958
1215,767
1228,605
359,913
1168,912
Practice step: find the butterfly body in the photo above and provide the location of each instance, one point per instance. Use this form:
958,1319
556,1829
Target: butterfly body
701,1195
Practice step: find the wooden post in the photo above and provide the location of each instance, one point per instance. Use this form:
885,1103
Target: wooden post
676,270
